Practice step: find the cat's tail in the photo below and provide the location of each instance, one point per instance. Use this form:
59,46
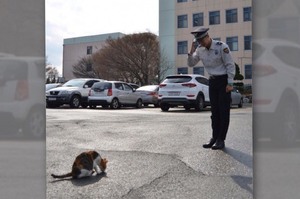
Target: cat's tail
62,176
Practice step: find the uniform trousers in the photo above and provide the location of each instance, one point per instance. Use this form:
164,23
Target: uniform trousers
220,106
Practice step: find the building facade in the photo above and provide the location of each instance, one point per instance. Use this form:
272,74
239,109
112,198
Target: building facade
228,20
77,48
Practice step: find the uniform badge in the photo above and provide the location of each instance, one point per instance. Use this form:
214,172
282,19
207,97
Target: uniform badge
226,50
216,52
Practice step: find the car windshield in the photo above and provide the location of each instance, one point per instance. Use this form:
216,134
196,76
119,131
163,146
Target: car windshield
75,83
177,79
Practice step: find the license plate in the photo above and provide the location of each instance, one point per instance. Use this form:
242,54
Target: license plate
51,99
174,93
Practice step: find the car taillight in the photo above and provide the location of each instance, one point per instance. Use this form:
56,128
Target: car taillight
109,92
90,92
190,85
263,70
162,85
22,90
152,93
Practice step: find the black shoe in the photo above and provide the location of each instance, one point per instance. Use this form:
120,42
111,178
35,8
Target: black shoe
210,144
218,145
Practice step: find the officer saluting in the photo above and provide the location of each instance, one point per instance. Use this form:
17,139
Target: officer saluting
218,62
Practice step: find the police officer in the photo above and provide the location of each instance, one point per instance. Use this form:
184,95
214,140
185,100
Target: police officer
218,62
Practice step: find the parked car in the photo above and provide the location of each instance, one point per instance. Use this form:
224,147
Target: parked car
74,93
22,100
276,102
236,98
149,94
189,90
52,85
113,94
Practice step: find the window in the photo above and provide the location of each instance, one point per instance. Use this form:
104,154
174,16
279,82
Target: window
127,87
119,86
182,70
231,16
247,42
182,47
214,17
182,21
202,80
89,50
198,70
198,19
248,71
232,42
180,1
247,14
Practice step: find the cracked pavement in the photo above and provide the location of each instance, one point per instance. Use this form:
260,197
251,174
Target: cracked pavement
151,154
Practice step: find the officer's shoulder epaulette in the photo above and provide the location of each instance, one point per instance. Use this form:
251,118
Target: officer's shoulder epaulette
219,43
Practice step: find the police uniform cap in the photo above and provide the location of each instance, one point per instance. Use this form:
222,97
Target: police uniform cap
199,33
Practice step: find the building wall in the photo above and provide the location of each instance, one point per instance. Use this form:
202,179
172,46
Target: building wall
75,49
223,30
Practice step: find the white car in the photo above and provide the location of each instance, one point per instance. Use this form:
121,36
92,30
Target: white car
74,93
22,99
114,94
276,73
189,90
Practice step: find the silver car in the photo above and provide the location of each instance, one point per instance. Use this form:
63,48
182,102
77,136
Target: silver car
149,94
236,98
113,94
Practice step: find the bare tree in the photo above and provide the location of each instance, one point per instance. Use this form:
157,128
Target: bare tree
51,74
132,58
85,68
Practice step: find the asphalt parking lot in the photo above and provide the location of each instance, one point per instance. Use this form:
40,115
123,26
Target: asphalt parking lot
151,154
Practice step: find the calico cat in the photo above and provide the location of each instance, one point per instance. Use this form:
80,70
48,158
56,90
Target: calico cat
85,165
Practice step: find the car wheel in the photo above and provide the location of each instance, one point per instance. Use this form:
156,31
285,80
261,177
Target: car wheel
240,105
139,103
115,104
164,107
75,101
35,125
199,103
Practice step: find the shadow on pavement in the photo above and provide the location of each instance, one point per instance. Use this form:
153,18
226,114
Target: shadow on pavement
241,157
83,181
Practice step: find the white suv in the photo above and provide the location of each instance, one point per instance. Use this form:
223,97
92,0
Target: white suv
22,99
74,92
189,90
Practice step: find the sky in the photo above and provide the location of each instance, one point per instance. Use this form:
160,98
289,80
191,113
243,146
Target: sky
76,18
